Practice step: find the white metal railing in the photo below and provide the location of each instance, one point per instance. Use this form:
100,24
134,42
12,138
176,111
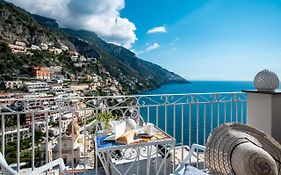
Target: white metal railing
187,117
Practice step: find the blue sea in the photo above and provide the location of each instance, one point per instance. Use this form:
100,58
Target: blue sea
203,87
186,122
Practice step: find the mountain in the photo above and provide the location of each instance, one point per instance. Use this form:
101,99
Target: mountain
123,65
18,25
144,68
50,23
151,74
121,62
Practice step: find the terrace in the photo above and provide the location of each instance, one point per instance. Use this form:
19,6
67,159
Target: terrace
37,131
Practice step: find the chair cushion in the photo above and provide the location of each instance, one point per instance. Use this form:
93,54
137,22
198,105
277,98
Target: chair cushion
190,170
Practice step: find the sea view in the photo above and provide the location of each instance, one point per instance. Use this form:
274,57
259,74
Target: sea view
173,114
106,87
202,87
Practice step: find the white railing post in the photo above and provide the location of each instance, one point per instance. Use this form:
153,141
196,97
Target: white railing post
264,111
47,158
33,140
3,135
18,142
60,134
84,137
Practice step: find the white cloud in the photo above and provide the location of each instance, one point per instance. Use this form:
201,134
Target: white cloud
174,41
139,53
152,47
148,48
160,29
102,17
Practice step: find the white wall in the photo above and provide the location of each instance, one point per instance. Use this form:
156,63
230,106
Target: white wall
259,111
264,113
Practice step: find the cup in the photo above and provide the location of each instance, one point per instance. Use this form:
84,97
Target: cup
148,128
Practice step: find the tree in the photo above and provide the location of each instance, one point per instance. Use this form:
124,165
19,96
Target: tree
2,85
4,47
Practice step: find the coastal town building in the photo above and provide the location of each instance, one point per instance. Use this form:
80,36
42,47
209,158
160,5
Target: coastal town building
41,73
53,115
19,43
13,84
79,87
73,142
35,47
44,46
36,87
11,135
64,47
58,51
55,51
69,139
40,126
57,89
18,47
74,58
78,64
4,98
56,73
37,117
46,152
92,59
82,58
73,53
54,131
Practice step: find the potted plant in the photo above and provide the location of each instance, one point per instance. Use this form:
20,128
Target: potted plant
105,118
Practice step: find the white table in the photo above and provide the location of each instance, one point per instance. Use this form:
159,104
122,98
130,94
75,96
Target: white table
149,156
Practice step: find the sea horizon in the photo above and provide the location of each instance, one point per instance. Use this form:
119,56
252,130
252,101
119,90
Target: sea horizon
202,86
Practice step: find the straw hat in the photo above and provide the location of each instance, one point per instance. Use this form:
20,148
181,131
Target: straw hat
236,149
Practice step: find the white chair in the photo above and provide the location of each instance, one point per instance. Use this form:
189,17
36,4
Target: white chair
7,170
184,168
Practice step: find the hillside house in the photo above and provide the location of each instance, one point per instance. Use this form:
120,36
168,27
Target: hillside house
42,73
18,47
13,84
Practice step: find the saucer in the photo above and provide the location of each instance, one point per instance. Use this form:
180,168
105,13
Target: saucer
144,135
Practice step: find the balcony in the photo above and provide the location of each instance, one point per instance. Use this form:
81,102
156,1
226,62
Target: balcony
37,131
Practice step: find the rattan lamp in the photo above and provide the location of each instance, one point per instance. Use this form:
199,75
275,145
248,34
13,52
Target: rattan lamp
266,81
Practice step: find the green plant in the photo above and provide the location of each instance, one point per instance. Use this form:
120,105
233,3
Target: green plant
52,123
106,117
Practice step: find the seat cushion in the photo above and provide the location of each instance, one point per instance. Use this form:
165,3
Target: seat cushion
190,170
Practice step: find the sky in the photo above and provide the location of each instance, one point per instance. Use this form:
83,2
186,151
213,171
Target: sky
197,39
